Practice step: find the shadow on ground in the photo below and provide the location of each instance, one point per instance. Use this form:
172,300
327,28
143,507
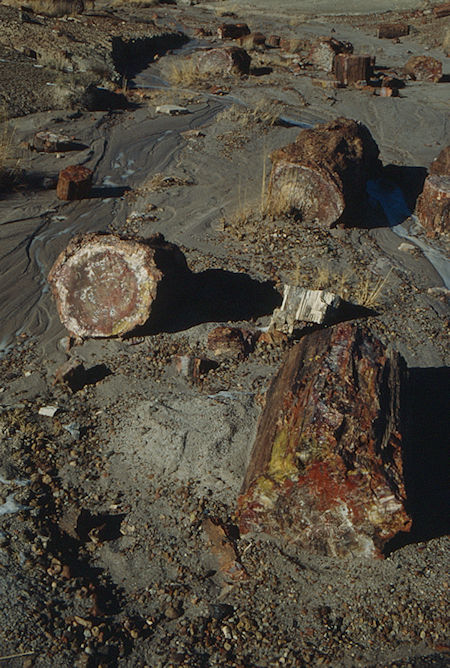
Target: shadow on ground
214,295
425,454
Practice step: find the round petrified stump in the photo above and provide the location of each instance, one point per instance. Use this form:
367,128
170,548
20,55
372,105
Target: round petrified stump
105,285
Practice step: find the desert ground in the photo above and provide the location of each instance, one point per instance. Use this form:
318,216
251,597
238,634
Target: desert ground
104,555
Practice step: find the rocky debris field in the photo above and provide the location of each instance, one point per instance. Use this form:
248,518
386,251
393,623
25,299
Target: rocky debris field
224,350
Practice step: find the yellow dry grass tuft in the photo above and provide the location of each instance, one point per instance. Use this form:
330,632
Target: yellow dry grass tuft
6,142
52,8
185,73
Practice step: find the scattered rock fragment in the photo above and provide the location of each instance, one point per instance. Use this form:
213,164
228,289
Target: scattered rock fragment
441,164
74,182
273,41
433,205
48,411
226,341
349,68
326,465
253,40
302,305
424,68
233,30
51,142
325,49
392,30
172,110
105,285
323,174
227,60
441,11
194,367
223,544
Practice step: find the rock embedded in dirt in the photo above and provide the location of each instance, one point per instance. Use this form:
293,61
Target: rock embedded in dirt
273,41
323,174
441,11
323,52
349,68
194,367
441,164
433,205
326,466
227,60
226,341
105,285
233,30
424,68
74,182
392,30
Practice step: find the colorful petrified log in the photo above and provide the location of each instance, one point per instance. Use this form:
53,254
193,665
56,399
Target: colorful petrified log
323,174
105,285
326,466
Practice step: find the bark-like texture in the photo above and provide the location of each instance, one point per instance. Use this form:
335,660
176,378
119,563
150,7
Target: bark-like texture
227,60
74,182
323,174
349,68
441,164
105,285
326,468
424,68
433,205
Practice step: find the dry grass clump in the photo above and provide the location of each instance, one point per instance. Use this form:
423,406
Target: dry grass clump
6,143
263,113
142,4
55,60
185,73
53,8
365,291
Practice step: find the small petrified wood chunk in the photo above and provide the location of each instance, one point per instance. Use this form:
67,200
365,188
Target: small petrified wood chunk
232,30
325,49
74,182
441,164
105,285
51,142
424,68
442,10
326,466
224,341
433,205
349,68
323,174
226,60
392,30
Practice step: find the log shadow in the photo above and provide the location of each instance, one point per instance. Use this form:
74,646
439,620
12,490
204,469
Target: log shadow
392,197
425,456
105,192
214,295
409,179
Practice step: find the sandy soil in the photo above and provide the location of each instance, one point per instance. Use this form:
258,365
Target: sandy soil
103,555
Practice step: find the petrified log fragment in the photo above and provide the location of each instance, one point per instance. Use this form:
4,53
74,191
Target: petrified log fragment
51,142
252,40
326,465
226,60
323,52
105,285
392,30
442,10
424,68
273,41
349,68
302,305
74,182
433,205
441,164
233,30
323,174
194,368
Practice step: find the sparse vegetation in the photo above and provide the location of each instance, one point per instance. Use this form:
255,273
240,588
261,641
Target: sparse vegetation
51,8
55,60
185,73
6,139
264,113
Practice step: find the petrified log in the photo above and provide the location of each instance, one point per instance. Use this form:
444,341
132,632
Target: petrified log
349,68
323,174
424,68
433,205
323,52
302,305
326,465
392,30
233,30
74,182
442,10
226,60
441,164
105,285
